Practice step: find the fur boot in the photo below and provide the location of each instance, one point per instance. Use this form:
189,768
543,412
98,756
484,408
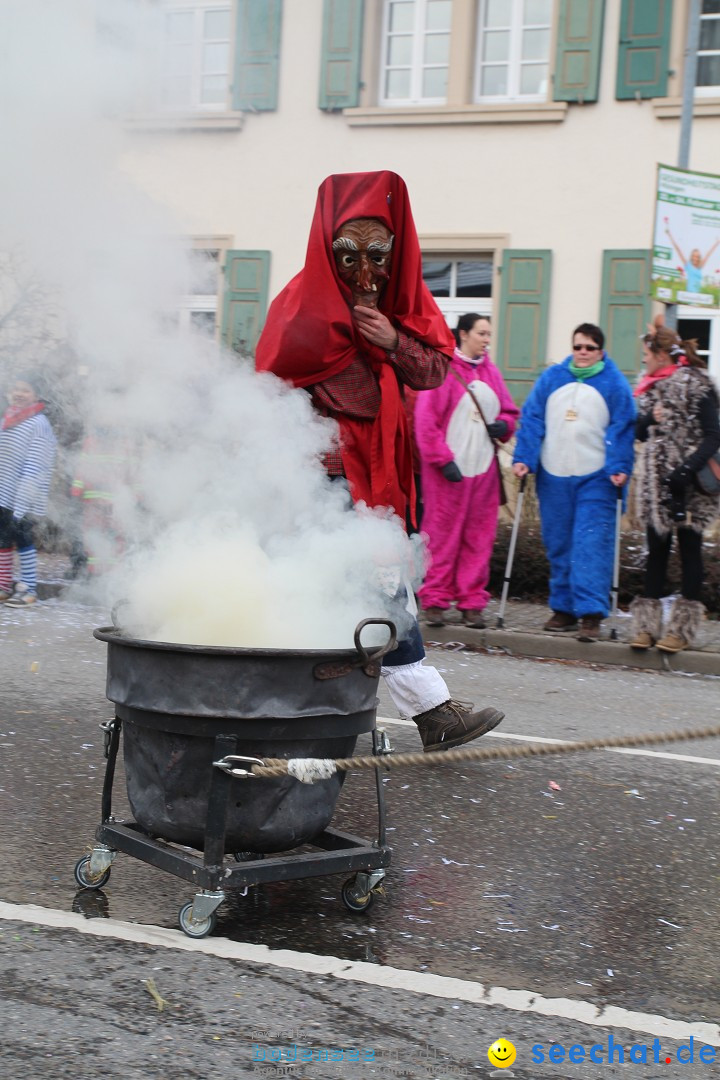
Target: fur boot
646,622
684,624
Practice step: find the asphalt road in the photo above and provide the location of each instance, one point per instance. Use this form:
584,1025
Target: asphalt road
590,879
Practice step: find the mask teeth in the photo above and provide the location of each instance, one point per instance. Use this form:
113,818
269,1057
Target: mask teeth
373,288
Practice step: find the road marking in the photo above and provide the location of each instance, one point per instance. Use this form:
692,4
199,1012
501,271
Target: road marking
633,751
440,986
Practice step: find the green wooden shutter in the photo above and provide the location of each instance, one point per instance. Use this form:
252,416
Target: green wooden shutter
644,48
625,305
577,59
257,55
523,319
341,54
245,302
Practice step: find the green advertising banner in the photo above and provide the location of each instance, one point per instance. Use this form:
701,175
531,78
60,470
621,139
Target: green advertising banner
686,242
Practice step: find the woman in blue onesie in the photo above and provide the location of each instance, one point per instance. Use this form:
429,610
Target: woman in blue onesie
576,433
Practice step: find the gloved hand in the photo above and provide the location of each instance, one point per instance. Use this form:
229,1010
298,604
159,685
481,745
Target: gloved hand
498,429
452,473
679,479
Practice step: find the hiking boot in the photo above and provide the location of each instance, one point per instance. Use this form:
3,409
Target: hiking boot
434,616
589,628
4,596
454,723
22,597
473,618
642,640
672,643
560,622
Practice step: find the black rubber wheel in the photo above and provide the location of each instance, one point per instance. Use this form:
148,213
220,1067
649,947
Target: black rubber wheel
352,899
87,881
247,856
195,928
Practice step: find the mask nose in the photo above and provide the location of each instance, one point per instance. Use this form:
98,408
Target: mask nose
364,274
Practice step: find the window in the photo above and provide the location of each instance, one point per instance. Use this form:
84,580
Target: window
460,285
707,79
198,310
195,56
416,51
513,50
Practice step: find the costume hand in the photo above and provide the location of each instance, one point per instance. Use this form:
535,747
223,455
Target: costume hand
679,479
618,479
520,469
498,429
452,473
375,327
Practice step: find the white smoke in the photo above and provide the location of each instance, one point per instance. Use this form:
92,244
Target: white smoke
231,532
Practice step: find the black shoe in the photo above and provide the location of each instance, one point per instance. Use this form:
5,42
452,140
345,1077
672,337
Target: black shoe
454,723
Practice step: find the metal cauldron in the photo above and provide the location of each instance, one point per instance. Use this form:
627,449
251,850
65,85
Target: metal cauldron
175,700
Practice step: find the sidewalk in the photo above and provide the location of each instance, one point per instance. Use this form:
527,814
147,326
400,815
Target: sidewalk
521,635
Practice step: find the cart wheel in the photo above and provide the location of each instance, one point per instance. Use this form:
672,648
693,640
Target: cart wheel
247,856
354,900
196,928
85,879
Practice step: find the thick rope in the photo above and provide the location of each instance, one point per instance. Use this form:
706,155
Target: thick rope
322,767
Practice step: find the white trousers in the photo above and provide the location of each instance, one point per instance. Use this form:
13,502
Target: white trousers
415,688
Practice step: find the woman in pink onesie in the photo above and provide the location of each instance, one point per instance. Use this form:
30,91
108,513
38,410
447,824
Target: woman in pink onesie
460,483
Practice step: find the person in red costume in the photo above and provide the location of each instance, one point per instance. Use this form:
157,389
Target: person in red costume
353,328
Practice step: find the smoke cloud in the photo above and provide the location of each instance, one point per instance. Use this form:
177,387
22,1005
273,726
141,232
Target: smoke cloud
228,530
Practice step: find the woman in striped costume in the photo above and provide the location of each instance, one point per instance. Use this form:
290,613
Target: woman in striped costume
27,455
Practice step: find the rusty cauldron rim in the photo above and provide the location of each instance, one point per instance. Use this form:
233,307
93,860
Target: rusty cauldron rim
114,635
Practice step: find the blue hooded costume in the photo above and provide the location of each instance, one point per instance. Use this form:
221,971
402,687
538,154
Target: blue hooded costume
575,434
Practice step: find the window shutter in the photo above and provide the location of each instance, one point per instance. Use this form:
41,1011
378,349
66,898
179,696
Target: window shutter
257,54
625,305
523,321
341,53
577,60
245,301
644,48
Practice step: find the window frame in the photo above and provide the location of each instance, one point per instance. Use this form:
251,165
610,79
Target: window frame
453,306
711,90
417,65
198,8
515,61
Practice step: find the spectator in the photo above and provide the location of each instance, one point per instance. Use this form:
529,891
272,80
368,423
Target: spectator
27,455
355,327
456,426
679,432
577,434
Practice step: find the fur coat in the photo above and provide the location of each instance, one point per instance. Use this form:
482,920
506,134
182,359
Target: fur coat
668,445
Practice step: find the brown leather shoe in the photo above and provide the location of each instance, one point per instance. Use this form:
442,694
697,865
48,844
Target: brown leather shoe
589,628
454,723
642,641
560,622
473,617
434,616
672,643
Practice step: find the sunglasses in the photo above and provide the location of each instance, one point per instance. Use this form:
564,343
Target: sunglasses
587,348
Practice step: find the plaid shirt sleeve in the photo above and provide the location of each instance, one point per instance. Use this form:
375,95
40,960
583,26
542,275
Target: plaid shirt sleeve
419,366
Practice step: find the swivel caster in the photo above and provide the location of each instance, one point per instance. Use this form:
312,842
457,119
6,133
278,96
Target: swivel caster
194,927
355,897
86,879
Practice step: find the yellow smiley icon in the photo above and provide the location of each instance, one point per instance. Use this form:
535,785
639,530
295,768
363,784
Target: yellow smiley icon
502,1053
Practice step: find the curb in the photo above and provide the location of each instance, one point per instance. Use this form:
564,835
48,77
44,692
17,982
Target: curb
566,647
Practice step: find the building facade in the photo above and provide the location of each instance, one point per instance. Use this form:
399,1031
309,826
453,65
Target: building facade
528,132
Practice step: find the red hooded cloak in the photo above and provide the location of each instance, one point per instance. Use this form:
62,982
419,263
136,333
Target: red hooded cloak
310,335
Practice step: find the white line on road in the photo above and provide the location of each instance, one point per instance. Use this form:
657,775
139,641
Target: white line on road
440,986
633,751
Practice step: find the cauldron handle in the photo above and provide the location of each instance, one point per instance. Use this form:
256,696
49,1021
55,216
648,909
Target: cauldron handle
368,661
371,659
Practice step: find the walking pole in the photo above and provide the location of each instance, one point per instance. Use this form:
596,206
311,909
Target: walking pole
511,552
616,565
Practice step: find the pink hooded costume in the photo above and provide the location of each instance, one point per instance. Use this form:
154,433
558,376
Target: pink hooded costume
460,519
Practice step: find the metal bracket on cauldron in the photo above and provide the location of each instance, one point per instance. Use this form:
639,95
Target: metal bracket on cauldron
107,727
369,662
227,766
